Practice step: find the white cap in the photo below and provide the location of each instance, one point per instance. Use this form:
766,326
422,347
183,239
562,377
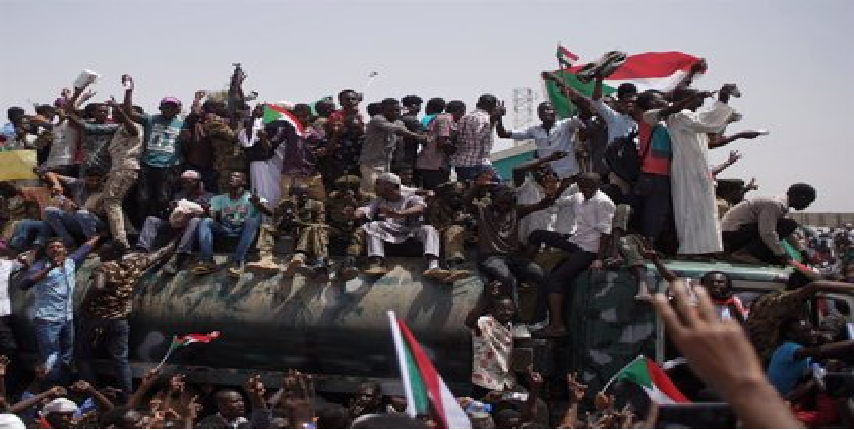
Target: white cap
11,421
59,405
389,177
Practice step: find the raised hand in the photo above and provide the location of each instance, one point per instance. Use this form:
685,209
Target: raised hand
576,389
81,387
127,82
734,156
176,384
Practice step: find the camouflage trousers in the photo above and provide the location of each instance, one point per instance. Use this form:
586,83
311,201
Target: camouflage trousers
116,188
452,238
312,240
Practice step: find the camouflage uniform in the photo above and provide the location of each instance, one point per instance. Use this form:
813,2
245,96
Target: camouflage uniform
451,230
228,155
347,237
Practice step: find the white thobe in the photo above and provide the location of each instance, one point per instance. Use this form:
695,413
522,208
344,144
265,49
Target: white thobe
694,206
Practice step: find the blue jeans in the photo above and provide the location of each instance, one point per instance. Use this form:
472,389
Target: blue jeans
246,233
55,342
113,333
29,232
64,224
469,173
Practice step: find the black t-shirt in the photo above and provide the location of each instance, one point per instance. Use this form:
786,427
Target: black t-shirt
407,150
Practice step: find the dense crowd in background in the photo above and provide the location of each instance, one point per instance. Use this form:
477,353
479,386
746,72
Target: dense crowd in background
324,191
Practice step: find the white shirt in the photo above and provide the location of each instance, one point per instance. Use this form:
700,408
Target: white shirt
592,218
7,267
491,355
619,125
559,138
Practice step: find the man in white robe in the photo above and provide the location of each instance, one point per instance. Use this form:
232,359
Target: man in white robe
694,207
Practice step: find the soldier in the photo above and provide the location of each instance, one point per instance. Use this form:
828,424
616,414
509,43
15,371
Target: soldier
305,217
228,155
341,206
445,212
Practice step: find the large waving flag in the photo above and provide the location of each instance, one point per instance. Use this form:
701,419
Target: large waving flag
426,392
649,70
651,377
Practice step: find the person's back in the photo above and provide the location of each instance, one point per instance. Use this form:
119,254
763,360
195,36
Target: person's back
750,211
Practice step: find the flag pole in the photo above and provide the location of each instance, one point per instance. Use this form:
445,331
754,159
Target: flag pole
169,351
613,378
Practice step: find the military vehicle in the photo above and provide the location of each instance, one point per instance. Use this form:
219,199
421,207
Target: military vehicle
339,331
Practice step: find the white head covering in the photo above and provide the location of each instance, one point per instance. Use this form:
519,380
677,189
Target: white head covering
11,421
59,405
390,178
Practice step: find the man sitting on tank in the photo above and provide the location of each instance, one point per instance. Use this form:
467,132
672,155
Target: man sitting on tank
395,217
305,219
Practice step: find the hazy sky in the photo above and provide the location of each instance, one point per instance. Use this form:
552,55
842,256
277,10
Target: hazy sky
792,59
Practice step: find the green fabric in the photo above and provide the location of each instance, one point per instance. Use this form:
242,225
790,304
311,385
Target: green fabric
563,106
636,372
792,252
419,390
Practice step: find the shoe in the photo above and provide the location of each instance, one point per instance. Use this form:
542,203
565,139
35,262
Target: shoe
604,66
376,268
437,274
610,62
204,268
296,263
265,264
235,270
457,275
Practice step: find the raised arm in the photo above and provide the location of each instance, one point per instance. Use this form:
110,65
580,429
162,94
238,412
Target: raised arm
723,141
128,83
734,156
721,356
655,258
123,117
545,203
520,171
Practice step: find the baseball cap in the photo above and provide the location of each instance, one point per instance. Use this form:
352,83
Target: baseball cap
172,100
190,174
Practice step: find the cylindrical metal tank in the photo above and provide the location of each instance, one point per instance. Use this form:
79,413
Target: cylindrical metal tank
272,323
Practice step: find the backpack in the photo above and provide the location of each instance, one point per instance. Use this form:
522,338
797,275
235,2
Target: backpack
622,157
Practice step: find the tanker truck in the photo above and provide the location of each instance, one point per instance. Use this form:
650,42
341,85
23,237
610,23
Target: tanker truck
339,331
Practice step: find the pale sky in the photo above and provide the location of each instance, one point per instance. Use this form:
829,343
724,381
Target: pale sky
792,60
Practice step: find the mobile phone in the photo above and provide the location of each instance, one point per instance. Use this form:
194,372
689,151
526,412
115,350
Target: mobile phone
703,415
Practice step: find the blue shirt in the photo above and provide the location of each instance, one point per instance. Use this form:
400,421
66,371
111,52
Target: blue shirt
162,147
784,370
54,295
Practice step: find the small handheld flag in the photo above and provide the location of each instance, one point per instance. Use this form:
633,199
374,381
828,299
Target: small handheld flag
179,341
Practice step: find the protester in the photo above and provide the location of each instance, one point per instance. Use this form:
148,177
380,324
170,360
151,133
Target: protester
53,279
80,212
475,139
382,140
236,214
432,164
752,230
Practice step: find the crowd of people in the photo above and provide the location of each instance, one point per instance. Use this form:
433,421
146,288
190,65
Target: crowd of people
623,180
